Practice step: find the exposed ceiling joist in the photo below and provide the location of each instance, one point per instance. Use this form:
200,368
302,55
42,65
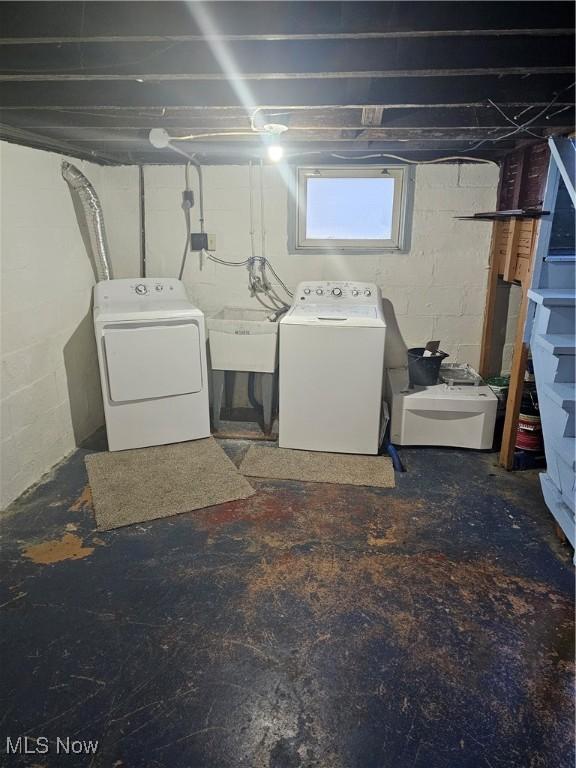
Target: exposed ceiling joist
319,119
116,135
56,144
404,91
200,59
224,112
414,78
61,20
339,36
219,76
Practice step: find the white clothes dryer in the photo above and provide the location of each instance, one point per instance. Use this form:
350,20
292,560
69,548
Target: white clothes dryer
152,354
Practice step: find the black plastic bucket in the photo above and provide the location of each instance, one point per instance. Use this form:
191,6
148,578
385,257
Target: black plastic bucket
424,371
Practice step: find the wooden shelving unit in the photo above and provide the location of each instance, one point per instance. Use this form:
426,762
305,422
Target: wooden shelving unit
512,250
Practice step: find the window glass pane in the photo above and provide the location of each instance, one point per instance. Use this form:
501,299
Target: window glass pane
349,209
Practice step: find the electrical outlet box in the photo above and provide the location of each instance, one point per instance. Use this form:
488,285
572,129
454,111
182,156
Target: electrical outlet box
198,241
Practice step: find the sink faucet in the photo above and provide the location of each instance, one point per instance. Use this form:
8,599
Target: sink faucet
275,316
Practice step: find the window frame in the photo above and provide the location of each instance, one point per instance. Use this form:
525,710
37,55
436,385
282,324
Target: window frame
401,211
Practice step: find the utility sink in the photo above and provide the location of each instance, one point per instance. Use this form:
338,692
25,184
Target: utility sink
243,340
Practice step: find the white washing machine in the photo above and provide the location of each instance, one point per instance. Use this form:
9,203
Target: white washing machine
152,355
331,368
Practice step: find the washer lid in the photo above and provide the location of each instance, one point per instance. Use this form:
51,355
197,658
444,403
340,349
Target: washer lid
332,314
152,361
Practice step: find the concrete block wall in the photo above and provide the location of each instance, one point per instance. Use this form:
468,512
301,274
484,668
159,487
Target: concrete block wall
438,289
118,190
50,390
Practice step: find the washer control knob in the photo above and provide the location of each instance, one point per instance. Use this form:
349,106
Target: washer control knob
355,292
306,291
319,291
159,287
141,289
367,292
337,291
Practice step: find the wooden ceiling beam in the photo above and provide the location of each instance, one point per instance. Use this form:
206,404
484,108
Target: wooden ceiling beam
64,20
401,92
91,79
312,134
463,119
329,144
54,143
196,60
338,36
221,77
226,112
107,150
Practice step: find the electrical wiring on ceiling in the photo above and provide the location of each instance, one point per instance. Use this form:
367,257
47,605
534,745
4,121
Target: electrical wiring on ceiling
511,120
559,111
253,130
193,136
412,162
523,126
517,129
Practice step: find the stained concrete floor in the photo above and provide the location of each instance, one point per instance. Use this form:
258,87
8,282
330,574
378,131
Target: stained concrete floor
428,626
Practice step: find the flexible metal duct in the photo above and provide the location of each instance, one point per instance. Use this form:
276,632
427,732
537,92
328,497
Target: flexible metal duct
84,192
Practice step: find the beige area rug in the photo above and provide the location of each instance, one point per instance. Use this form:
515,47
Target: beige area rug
147,483
314,467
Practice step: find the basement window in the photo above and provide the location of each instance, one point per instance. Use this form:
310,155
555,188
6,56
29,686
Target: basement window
350,209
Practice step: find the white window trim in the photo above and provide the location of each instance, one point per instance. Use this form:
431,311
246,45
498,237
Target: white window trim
402,205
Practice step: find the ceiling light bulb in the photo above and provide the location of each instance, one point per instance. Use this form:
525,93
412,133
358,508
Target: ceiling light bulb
275,152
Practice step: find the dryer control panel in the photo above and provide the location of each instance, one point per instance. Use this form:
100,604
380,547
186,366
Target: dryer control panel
337,291
133,290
